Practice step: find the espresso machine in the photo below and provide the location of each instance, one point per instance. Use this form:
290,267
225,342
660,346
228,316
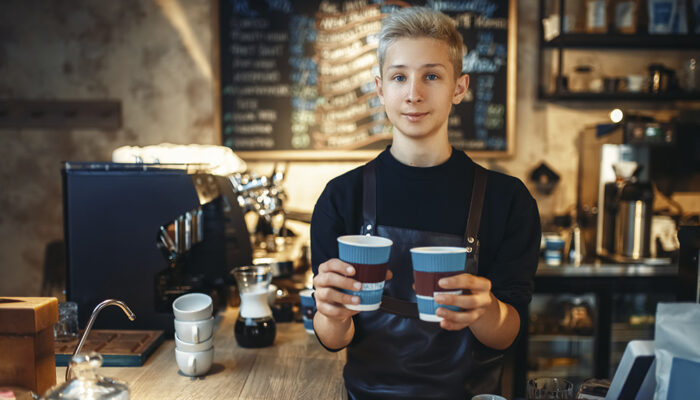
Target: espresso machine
146,234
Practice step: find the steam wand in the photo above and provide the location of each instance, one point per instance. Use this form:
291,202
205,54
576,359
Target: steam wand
96,311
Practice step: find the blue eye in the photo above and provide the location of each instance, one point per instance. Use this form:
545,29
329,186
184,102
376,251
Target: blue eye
431,77
399,78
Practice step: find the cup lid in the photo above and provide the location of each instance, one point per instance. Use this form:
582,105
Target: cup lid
87,384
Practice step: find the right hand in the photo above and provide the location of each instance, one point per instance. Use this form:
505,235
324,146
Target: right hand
332,275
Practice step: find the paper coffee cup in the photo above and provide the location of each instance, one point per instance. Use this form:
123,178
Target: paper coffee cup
430,264
369,255
308,309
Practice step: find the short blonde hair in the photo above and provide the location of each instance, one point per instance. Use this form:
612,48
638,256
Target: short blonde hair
419,22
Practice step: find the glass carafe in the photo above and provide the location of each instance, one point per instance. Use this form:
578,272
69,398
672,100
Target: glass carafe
255,326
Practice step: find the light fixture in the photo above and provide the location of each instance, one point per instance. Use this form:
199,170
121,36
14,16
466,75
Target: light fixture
616,115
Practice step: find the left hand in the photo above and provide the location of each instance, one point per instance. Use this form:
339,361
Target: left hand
474,303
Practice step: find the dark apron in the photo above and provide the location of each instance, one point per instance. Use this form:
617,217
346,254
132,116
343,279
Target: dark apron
395,355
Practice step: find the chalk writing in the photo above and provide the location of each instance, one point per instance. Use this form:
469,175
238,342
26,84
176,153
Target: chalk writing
299,74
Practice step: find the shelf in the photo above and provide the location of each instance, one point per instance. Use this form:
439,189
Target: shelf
646,97
631,41
560,338
562,372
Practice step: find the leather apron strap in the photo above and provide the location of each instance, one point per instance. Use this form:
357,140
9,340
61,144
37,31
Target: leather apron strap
471,235
369,199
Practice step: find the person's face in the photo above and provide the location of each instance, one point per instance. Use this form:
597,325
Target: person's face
418,87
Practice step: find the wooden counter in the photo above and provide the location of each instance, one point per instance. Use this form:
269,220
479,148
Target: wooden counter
295,367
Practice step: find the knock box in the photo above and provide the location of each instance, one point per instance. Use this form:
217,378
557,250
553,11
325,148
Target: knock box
26,342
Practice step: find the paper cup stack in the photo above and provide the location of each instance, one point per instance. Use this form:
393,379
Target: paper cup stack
194,327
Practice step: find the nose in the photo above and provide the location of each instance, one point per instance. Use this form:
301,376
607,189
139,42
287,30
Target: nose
415,91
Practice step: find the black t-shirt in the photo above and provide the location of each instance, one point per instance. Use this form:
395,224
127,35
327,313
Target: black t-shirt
436,199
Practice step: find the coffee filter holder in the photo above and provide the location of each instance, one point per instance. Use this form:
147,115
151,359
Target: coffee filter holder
625,169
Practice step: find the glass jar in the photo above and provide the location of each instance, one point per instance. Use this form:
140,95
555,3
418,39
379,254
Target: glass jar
581,78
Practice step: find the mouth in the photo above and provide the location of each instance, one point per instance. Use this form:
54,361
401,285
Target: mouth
414,116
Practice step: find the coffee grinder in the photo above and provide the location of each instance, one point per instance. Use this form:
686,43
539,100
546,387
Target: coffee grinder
616,213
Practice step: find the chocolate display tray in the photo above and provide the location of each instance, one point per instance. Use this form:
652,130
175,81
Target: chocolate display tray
119,348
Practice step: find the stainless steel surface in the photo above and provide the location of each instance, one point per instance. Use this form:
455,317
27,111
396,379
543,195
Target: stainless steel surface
93,316
265,196
605,269
167,240
610,154
188,230
632,228
650,261
180,234
197,226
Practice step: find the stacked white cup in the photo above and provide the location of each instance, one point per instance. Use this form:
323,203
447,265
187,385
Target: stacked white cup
194,328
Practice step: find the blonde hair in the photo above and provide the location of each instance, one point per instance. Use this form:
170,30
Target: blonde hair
421,22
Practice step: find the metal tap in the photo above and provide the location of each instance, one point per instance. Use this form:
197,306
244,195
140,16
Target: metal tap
108,302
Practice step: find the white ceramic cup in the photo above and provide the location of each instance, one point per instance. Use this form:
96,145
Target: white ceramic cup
488,397
193,307
194,331
194,363
193,347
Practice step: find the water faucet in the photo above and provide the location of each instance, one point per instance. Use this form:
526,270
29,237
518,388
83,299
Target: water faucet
91,321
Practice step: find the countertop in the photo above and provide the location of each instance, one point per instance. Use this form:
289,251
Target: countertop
294,367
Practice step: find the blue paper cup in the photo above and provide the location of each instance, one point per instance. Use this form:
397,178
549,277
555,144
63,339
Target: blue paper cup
430,264
370,256
553,253
308,309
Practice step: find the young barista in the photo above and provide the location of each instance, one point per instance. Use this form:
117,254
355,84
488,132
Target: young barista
418,192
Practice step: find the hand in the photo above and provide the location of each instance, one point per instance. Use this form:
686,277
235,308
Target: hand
474,303
333,275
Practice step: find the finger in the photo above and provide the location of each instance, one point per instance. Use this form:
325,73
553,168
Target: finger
332,279
335,297
335,311
465,301
337,266
389,274
465,281
455,320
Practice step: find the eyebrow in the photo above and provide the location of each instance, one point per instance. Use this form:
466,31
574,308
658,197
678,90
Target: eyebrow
399,66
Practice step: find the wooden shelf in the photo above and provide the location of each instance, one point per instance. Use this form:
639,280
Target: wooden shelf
560,338
622,96
631,41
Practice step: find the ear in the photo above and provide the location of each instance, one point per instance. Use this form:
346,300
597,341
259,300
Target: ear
380,90
460,89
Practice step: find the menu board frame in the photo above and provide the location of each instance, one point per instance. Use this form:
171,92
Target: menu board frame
351,155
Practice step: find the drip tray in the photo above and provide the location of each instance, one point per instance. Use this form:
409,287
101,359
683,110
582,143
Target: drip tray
118,348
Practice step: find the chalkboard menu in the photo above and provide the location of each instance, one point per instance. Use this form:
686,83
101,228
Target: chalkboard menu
297,77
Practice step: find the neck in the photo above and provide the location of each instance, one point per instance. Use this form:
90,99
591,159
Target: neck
427,152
